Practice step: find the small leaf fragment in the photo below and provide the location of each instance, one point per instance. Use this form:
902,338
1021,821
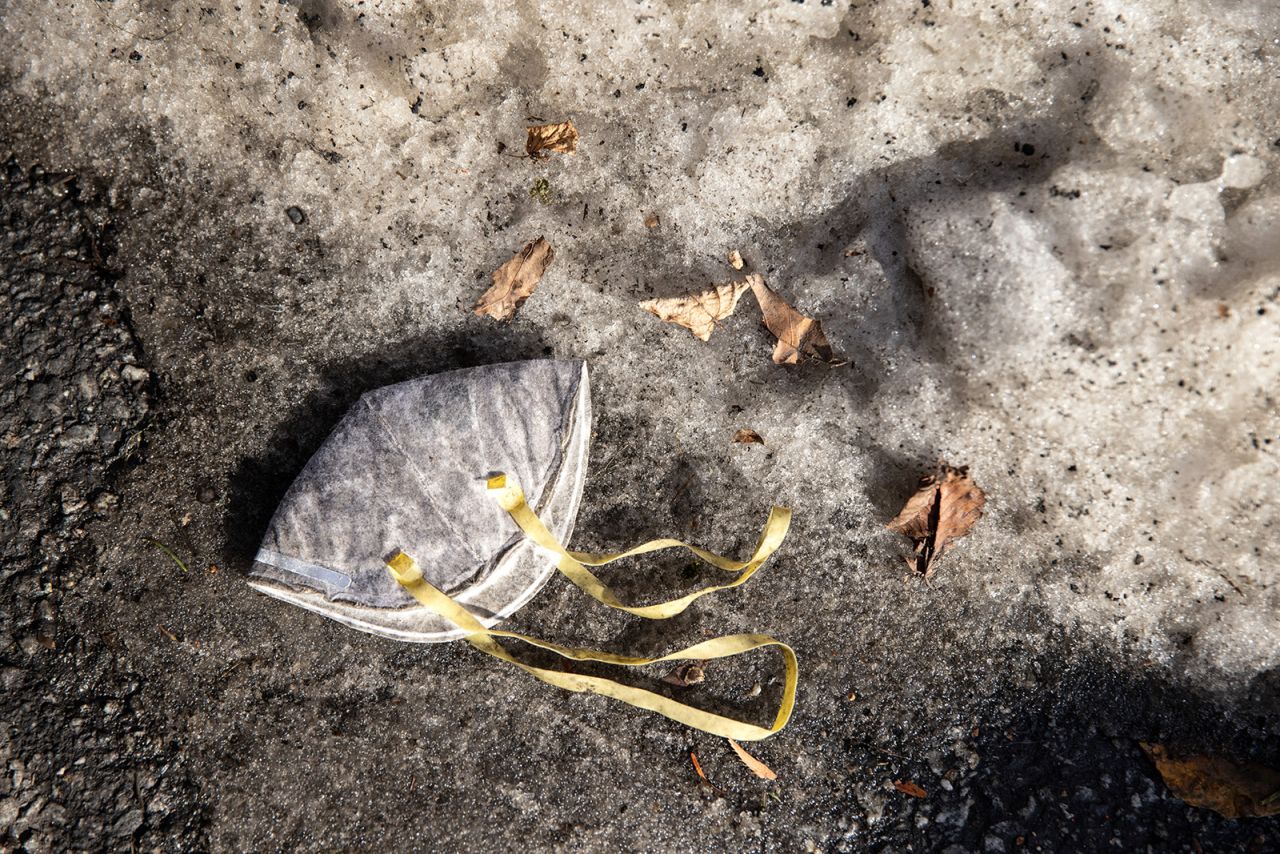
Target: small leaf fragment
698,313
561,138
757,767
945,508
909,788
1231,789
541,190
798,336
652,221
686,674
747,436
698,767
735,259
515,281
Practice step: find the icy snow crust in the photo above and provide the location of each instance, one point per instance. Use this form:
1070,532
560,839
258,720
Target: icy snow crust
1048,238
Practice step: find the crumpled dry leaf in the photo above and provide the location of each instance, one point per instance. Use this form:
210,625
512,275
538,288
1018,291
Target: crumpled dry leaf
1229,789
757,767
747,436
560,138
909,788
686,674
945,508
698,313
798,336
515,281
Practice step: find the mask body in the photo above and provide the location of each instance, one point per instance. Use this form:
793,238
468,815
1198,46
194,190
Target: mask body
405,470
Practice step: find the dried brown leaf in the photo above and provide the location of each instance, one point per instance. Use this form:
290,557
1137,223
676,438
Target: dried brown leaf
515,281
689,673
798,336
945,508
698,313
652,221
746,436
735,259
909,788
1231,789
757,767
559,138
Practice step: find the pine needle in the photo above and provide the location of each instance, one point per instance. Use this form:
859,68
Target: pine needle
173,557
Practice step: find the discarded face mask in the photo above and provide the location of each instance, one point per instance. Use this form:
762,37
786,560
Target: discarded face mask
410,523
405,470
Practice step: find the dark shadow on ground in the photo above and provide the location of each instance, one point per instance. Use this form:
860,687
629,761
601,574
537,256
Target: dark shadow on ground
1065,771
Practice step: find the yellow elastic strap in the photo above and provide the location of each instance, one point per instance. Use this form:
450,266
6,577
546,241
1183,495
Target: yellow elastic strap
574,564
405,570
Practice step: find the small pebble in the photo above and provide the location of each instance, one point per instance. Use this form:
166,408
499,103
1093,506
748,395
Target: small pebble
133,374
10,679
295,214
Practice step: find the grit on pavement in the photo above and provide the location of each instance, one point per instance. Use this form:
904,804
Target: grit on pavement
1044,239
